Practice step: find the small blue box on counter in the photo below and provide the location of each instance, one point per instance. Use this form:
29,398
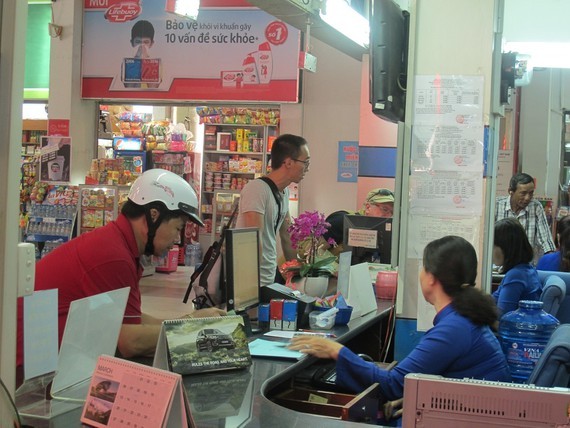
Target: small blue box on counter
290,315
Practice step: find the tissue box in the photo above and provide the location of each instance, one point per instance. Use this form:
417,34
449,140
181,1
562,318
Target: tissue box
342,316
326,323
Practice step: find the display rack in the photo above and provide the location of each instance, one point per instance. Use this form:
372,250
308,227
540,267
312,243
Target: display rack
32,131
51,219
233,155
99,205
224,203
180,163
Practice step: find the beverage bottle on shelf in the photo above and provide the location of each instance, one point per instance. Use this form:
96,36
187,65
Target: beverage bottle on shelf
524,334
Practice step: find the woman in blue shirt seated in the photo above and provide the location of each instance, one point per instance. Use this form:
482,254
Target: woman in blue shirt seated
513,253
460,344
558,260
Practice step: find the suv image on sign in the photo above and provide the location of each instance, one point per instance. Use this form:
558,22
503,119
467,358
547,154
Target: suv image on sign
212,339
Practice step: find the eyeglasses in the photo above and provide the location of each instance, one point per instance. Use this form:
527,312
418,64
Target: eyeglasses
306,162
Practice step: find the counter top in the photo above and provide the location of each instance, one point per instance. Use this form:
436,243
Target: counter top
238,398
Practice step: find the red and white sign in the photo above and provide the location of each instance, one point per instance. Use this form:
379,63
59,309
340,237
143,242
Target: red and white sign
233,52
58,127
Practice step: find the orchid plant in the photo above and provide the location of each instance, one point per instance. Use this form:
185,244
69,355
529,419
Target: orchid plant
313,258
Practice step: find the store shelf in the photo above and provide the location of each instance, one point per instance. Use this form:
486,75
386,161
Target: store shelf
34,125
227,171
98,205
37,237
226,152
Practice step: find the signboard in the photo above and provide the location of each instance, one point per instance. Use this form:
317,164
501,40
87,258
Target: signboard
58,127
347,161
137,49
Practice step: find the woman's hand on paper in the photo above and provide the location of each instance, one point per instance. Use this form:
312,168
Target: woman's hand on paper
316,346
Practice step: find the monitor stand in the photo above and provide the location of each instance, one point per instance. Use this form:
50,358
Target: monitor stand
251,327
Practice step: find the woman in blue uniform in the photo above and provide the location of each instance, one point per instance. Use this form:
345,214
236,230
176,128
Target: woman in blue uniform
460,344
514,254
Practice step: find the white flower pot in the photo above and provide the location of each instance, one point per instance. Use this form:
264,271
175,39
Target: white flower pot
316,286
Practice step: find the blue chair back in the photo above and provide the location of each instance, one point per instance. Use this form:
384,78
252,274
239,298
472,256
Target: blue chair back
553,294
553,366
563,313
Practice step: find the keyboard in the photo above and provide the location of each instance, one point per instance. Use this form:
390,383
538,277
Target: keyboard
330,377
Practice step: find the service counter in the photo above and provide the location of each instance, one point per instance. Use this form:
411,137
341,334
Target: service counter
242,398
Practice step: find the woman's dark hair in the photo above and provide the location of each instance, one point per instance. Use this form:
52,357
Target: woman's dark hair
561,226
511,238
565,250
286,146
132,210
453,261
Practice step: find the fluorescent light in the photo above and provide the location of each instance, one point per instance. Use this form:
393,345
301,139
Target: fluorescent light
339,15
548,55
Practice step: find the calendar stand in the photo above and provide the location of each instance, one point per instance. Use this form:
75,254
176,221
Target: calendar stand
123,392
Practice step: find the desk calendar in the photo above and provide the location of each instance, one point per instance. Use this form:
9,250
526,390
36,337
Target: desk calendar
127,394
198,345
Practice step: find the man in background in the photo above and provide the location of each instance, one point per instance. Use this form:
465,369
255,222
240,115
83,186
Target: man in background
378,203
265,204
529,212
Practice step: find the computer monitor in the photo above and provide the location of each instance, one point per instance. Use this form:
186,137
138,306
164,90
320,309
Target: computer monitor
242,269
369,238
435,401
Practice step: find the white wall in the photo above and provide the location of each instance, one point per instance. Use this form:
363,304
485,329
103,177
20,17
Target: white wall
329,114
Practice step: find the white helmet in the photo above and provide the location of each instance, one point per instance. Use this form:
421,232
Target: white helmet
166,187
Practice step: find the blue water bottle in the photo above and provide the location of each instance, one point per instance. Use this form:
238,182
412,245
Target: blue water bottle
524,334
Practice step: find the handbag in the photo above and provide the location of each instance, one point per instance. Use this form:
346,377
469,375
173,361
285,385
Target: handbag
210,271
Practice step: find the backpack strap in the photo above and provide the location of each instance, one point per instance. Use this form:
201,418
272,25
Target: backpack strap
210,258
277,197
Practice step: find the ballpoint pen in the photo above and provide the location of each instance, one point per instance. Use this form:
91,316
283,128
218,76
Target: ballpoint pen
316,333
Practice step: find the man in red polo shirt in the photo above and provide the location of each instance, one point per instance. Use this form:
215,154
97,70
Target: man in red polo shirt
158,206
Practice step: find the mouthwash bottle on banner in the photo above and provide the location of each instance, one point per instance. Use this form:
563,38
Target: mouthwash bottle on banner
264,62
524,334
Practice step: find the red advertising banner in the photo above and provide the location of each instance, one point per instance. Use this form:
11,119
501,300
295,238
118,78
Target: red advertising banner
140,49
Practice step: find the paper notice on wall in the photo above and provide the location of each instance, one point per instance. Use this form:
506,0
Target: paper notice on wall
452,193
425,228
448,100
447,148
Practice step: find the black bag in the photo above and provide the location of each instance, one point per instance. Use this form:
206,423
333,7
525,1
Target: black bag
212,262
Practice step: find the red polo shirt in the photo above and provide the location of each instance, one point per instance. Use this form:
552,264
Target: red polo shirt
102,260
